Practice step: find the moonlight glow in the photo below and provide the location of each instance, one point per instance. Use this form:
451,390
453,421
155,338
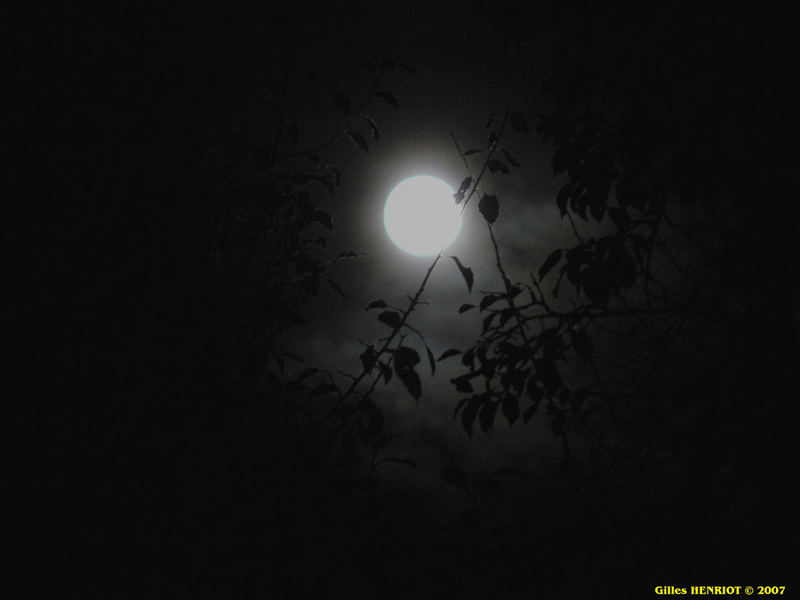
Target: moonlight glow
421,216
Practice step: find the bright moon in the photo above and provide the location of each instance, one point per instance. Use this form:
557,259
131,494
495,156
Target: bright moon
421,216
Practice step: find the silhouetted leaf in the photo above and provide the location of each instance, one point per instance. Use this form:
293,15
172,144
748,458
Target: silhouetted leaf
510,409
388,97
487,322
376,304
412,382
322,388
519,123
431,360
469,413
551,262
390,318
405,358
449,353
462,384
465,307
373,127
489,208
368,358
486,416
342,104
563,197
471,152
468,360
548,374
386,371
306,373
358,139
510,158
466,272
336,288
488,300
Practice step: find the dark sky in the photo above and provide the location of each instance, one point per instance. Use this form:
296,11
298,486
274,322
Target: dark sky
462,74
138,105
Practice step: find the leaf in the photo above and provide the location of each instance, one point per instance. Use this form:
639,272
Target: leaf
306,373
497,165
388,97
431,360
466,272
471,152
510,409
390,318
449,353
376,304
373,126
489,208
488,300
583,343
455,477
358,139
549,263
368,358
464,185
563,196
519,123
462,384
548,374
386,371
486,416
342,104
411,380
462,189
487,322
336,288
405,358
465,307
510,158
322,388
469,413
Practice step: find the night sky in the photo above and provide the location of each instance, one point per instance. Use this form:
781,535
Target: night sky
210,235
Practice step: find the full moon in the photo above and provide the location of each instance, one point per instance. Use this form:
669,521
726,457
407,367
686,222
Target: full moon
421,217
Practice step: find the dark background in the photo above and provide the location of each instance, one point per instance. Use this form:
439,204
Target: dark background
159,458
